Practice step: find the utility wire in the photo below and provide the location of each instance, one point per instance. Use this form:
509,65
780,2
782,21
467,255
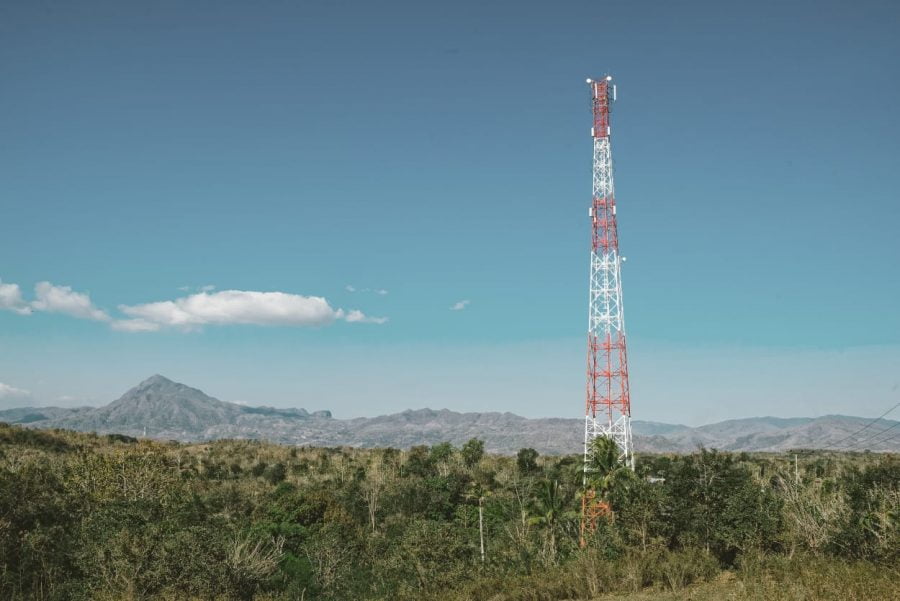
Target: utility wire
856,443
866,427
890,438
871,437
876,435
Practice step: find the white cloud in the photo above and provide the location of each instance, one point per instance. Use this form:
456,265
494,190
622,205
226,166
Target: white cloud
236,307
62,299
7,391
378,291
356,316
11,299
460,305
189,312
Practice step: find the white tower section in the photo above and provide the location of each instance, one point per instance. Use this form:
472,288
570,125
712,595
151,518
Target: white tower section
608,411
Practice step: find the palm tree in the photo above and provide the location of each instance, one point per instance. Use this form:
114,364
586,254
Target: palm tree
604,470
548,511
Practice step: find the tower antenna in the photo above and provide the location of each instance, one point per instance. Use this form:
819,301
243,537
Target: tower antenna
608,406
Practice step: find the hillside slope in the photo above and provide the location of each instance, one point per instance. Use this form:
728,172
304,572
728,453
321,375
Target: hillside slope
161,408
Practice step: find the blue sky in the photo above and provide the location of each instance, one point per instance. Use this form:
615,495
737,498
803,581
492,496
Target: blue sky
429,153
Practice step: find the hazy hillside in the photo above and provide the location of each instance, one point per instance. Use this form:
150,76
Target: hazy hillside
161,408
26,415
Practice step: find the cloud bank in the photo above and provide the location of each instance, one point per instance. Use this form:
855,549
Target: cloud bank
234,307
62,299
190,312
11,299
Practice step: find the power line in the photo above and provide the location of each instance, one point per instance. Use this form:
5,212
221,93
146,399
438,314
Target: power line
876,435
856,443
866,427
890,438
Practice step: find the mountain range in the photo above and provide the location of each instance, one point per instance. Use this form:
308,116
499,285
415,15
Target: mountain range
163,409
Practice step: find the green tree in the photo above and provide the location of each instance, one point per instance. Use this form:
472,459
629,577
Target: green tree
526,461
441,452
276,473
717,506
418,461
472,452
641,509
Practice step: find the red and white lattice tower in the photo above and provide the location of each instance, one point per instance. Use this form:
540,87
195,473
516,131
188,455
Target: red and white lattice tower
608,410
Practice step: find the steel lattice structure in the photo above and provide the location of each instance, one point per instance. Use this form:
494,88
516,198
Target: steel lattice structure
608,407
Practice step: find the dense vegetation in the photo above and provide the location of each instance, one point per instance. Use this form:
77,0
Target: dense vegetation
88,517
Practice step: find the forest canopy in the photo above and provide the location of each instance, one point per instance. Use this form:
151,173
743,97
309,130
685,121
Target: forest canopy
87,517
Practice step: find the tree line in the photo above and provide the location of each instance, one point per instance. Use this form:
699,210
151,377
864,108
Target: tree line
88,517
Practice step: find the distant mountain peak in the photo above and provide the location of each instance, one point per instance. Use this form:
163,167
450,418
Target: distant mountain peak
161,408
158,380
158,391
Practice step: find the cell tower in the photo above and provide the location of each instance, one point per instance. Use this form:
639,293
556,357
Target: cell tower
608,407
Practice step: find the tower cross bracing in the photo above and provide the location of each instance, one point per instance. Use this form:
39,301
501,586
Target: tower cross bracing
608,404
